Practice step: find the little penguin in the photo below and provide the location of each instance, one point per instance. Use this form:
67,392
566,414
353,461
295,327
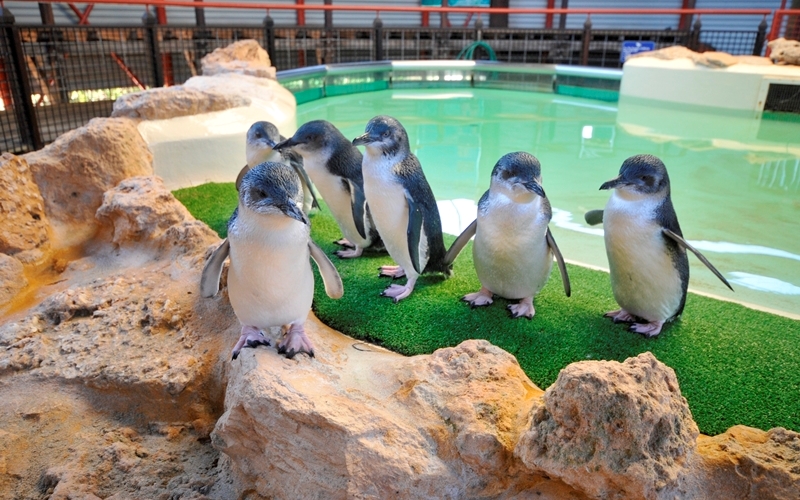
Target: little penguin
261,139
334,165
513,249
270,280
403,205
645,247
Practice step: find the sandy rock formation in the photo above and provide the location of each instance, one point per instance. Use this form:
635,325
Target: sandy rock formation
169,102
245,57
74,171
625,422
709,59
12,278
24,228
783,51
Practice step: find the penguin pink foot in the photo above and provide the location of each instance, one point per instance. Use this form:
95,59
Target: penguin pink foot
344,242
483,297
399,292
523,309
251,337
350,253
394,272
620,316
295,341
647,329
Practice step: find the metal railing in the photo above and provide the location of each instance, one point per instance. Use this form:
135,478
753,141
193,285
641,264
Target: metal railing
74,73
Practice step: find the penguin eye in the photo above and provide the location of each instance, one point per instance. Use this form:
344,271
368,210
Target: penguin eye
258,135
387,133
647,180
505,174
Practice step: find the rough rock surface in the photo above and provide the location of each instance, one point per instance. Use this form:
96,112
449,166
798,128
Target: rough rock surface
709,59
12,279
23,223
74,171
245,57
783,51
627,423
169,102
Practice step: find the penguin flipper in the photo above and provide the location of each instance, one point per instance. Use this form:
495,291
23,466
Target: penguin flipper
460,243
239,177
562,267
358,203
414,231
296,162
330,276
212,271
684,244
594,217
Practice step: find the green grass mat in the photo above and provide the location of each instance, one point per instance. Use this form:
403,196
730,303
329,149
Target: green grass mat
735,365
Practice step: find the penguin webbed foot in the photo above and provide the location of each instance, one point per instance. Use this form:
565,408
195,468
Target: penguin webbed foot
251,337
344,242
621,316
394,272
523,309
350,253
647,329
294,342
481,298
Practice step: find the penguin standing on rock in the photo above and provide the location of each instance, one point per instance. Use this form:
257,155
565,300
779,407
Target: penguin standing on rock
334,164
260,142
645,247
514,249
270,281
403,205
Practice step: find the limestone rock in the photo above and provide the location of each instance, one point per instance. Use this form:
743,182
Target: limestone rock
710,59
668,53
23,223
754,60
626,424
713,59
12,279
751,464
74,171
245,57
783,51
359,422
169,102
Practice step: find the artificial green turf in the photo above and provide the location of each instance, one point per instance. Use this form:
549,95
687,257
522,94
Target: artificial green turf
735,365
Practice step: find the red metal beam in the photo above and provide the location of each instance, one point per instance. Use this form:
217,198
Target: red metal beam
301,14
83,17
127,70
548,19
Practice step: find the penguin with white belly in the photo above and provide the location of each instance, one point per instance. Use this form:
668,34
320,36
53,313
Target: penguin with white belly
270,280
645,247
403,206
513,249
259,147
334,165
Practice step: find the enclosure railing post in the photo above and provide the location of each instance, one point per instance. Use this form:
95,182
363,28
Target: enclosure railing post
587,37
694,39
21,89
377,24
479,28
758,47
151,37
269,38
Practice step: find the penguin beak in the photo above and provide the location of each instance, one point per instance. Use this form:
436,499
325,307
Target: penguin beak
534,187
291,210
362,139
288,143
613,183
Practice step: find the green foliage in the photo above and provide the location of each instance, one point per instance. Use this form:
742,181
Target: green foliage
735,365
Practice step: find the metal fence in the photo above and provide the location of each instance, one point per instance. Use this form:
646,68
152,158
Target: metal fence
55,78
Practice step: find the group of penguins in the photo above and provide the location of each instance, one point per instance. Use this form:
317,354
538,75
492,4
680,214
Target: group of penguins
381,200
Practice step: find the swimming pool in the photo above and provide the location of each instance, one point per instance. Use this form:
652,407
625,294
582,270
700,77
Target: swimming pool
735,180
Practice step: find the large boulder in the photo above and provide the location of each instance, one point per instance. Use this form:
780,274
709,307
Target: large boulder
245,57
24,227
783,51
77,168
12,278
169,102
626,424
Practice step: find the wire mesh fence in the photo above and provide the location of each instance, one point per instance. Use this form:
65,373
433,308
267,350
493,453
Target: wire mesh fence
74,73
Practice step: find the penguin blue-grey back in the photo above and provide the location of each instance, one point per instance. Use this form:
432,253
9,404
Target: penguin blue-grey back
403,205
513,249
646,250
270,281
334,165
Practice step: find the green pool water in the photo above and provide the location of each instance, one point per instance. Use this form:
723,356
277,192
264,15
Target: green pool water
735,179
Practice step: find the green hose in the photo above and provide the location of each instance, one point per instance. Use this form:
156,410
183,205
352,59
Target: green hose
468,52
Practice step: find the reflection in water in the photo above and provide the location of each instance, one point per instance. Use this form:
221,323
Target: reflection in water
763,283
782,174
